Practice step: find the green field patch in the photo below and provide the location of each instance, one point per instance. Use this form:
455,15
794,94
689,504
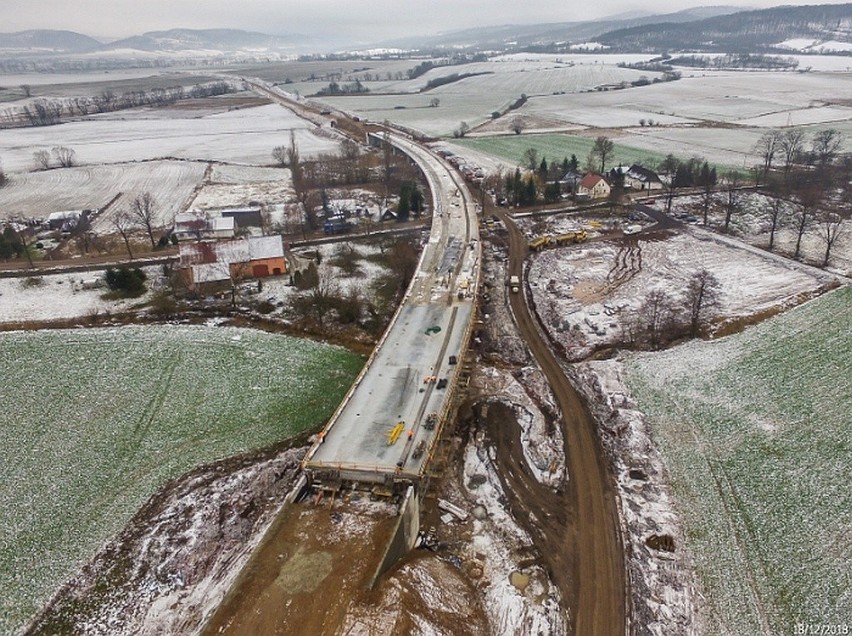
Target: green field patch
96,420
556,147
755,432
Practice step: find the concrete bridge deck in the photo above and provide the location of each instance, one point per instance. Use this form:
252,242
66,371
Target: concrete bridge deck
410,376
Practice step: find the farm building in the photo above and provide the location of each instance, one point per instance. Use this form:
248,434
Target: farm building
640,178
194,225
245,217
65,221
570,180
593,186
210,265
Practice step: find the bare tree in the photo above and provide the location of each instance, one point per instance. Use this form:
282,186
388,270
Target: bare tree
702,294
82,234
462,130
279,153
434,102
123,223
318,301
143,211
65,157
657,316
732,196
349,150
603,149
531,158
790,143
826,144
830,228
767,147
42,159
809,199
776,208
517,125
28,90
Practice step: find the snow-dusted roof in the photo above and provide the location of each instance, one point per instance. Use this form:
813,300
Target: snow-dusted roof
641,173
222,224
63,216
265,247
211,273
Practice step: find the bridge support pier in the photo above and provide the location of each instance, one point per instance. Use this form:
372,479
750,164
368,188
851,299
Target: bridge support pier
404,535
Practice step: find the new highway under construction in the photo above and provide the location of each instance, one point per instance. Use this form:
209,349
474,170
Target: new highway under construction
385,430
383,436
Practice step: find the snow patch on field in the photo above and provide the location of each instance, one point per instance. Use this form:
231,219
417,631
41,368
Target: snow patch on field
186,557
537,415
498,537
60,297
586,295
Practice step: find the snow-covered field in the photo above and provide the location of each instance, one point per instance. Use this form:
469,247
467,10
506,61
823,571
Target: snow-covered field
586,294
754,431
473,99
37,194
240,186
104,417
752,224
60,297
239,136
723,96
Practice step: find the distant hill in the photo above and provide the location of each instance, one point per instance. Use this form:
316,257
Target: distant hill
48,43
48,40
197,39
521,36
746,31
817,28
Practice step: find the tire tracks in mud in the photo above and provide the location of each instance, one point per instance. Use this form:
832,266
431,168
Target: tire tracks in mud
628,263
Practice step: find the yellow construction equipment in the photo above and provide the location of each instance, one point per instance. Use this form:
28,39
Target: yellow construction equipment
395,432
577,236
539,243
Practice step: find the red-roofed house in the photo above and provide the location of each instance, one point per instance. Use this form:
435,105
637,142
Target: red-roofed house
593,186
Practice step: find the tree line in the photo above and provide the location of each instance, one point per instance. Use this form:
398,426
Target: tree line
47,112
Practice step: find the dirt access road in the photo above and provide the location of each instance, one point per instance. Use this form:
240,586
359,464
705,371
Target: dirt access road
585,554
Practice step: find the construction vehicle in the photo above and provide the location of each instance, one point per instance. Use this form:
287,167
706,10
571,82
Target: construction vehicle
514,284
577,236
418,450
540,242
395,432
431,421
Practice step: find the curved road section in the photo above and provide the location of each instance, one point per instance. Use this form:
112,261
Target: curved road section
596,585
385,429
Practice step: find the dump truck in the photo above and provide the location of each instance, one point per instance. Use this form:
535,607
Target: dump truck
577,236
540,242
514,284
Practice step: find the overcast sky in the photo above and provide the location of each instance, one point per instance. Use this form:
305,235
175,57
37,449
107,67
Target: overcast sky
356,20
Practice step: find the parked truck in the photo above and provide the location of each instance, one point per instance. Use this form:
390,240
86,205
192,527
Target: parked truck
514,284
